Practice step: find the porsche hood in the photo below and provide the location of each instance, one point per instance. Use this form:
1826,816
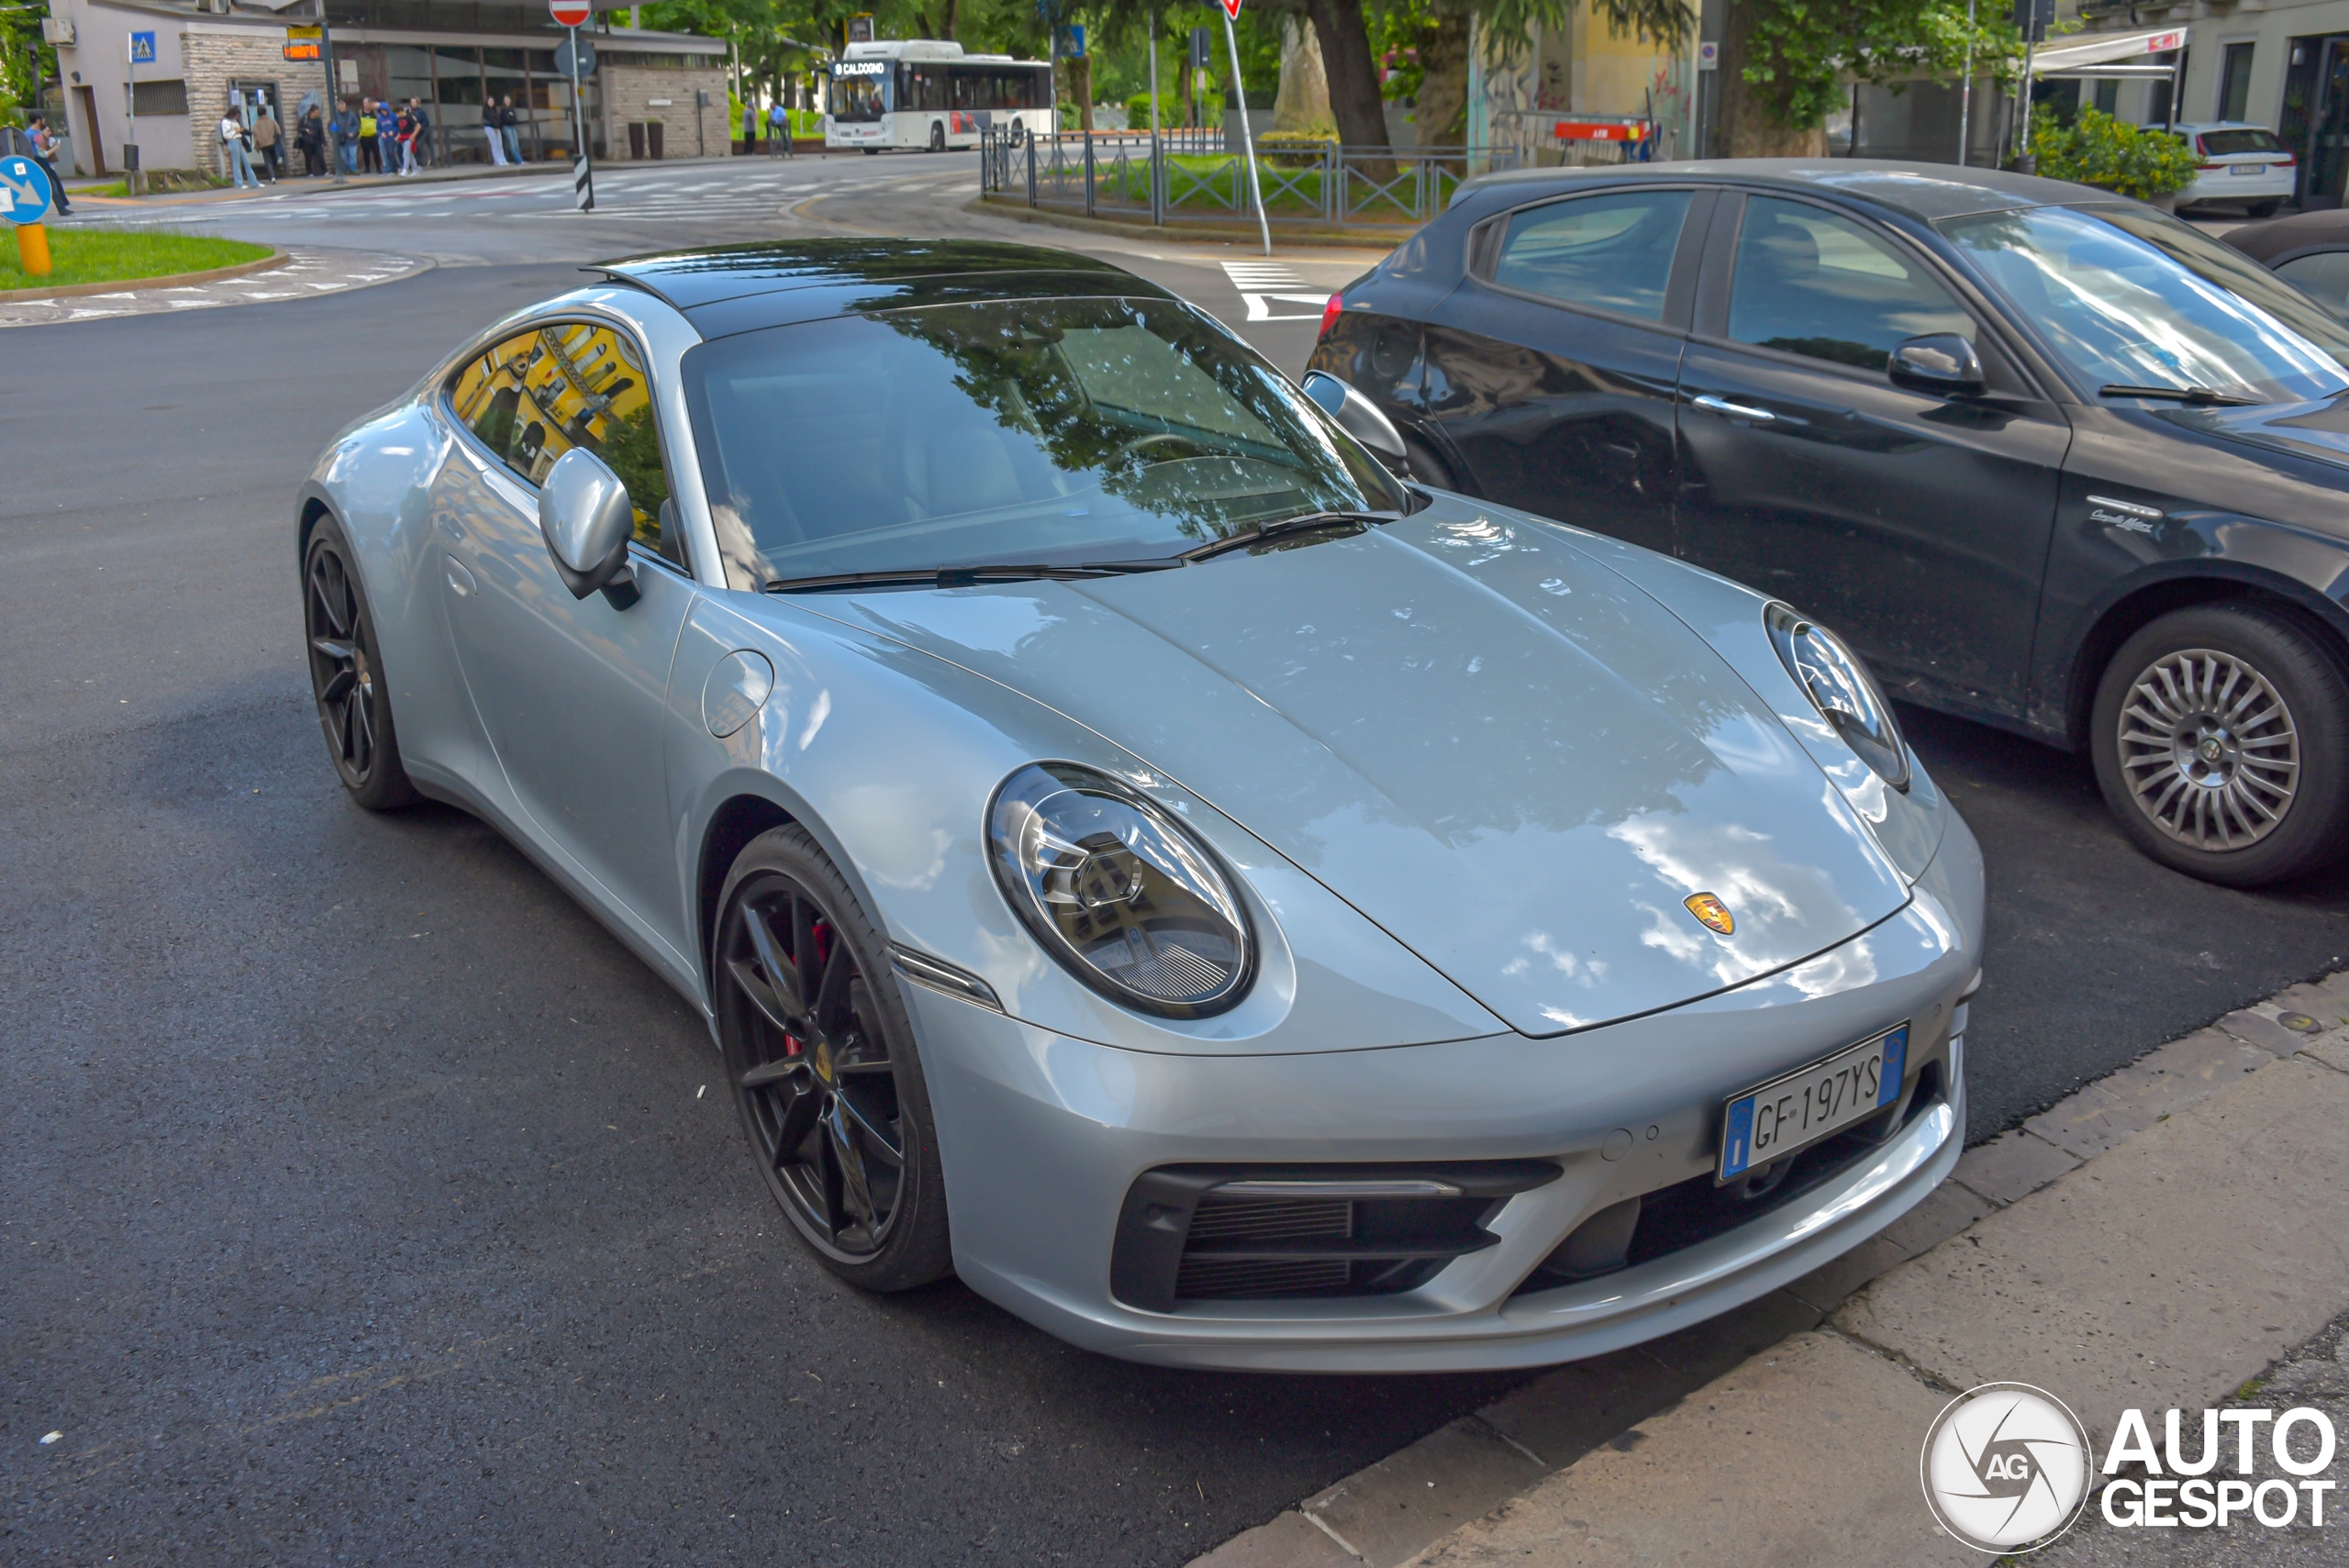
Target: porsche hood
1499,751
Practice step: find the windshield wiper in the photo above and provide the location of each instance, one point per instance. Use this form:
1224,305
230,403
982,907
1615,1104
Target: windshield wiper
961,576
2194,397
1303,523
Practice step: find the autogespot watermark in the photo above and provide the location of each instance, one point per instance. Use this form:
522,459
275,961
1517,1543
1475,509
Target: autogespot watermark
2008,1468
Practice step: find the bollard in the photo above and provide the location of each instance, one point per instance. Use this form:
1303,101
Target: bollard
32,249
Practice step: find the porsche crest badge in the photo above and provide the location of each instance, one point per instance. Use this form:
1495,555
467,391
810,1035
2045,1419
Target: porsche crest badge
1712,913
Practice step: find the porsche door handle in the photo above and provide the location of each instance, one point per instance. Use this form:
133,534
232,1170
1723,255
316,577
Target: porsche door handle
1721,405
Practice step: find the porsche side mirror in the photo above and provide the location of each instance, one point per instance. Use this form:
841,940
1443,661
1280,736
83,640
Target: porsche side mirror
1359,417
587,521
1939,365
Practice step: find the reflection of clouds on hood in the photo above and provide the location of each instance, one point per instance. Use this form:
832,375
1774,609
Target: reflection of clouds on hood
1846,968
1779,906
1585,971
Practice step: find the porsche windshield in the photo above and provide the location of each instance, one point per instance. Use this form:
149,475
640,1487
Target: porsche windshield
1061,433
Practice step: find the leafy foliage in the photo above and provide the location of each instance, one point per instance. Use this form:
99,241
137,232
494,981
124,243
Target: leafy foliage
1799,54
2111,154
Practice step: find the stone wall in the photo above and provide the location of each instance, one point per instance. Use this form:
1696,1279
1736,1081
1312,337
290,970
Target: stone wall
665,93
214,54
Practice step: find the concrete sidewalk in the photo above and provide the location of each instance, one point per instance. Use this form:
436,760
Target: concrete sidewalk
2156,1240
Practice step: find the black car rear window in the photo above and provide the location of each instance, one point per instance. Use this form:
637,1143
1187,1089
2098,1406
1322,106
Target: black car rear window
2227,143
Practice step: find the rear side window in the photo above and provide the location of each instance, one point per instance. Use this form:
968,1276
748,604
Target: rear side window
1611,251
535,395
2324,273
2225,143
1808,282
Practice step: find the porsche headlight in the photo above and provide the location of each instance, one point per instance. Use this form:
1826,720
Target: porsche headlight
1120,892
1839,686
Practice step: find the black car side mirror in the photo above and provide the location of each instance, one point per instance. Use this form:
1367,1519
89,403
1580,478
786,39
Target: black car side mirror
1359,417
1940,364
586,519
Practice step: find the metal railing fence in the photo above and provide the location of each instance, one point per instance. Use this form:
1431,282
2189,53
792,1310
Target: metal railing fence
1185,175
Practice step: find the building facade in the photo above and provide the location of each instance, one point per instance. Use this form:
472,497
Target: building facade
454,57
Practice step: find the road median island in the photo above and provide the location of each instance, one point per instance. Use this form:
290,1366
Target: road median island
2154,1241
98,260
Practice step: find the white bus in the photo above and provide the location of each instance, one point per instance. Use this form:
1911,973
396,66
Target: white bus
927,93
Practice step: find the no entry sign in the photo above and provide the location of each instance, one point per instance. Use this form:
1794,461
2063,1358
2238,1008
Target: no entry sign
568,13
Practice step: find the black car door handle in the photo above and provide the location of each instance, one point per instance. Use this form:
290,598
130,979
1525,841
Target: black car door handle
1712,405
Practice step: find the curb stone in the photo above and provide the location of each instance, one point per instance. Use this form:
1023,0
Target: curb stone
2102,1158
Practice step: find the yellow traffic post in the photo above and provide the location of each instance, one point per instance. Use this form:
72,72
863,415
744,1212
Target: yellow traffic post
32,248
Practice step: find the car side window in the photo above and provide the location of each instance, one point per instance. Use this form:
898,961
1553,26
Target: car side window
1612,251
2324,273
535,395
1808,281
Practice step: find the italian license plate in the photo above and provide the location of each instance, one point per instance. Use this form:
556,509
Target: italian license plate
2246,168
1809,1103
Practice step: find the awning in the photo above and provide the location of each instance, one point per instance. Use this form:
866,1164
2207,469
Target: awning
2102,55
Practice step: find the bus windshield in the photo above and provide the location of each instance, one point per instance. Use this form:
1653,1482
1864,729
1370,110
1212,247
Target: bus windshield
858,98
1056,431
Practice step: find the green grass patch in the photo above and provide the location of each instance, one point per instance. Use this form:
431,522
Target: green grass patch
105,256
116,189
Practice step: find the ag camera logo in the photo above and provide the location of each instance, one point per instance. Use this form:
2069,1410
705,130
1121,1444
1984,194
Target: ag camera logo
2006,1467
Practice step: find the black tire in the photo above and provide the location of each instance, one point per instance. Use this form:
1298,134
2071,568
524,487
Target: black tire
872,153
2221,736
346,677
825,1074
2262,209
1425,466
937,136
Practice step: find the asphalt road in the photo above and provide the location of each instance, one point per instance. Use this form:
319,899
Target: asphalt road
358,1196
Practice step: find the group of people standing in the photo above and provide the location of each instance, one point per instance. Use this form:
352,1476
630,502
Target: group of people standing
375,137
501,127
380,137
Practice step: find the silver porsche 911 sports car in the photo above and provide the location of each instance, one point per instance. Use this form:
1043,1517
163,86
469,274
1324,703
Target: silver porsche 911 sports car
1232,905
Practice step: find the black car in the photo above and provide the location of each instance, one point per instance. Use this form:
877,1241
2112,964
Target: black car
2051,459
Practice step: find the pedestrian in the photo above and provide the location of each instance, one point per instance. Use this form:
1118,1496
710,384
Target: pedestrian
405,140
779,128
750,128
491,134
371,151
236,163
346,136
46,145
511,123
310,136
265,139
419,138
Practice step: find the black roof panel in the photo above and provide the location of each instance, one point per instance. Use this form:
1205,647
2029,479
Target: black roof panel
688,279
1928,192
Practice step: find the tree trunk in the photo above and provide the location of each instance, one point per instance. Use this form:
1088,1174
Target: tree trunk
1303,101
1355,103
1746,128
1080,86
1442,115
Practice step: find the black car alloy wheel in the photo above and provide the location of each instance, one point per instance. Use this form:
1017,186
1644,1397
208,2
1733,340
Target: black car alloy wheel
346,674
2220,735
823,1068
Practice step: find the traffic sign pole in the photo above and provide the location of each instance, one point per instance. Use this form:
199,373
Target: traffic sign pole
25,198
570,14
1247,137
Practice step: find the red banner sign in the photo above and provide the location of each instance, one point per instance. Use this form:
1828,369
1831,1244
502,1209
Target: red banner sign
568,13
1599,131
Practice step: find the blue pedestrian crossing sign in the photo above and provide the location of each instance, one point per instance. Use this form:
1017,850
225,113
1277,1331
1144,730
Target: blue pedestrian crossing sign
24,192
143,49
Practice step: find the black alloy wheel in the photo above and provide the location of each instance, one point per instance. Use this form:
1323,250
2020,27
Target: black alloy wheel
820,1053
347,675
2220,738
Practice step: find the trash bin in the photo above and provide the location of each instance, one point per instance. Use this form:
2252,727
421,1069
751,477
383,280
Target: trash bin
653,130
636,139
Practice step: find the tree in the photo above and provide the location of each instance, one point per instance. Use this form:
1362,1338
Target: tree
1786,63
1446,36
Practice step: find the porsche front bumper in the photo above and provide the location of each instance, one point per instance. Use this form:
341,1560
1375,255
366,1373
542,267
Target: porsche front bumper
1042,1137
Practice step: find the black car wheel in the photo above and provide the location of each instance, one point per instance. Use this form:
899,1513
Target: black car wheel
347,673
821,1056
937,137
2262,209
2220,736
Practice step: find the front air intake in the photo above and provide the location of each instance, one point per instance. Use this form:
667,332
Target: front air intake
1266,1232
